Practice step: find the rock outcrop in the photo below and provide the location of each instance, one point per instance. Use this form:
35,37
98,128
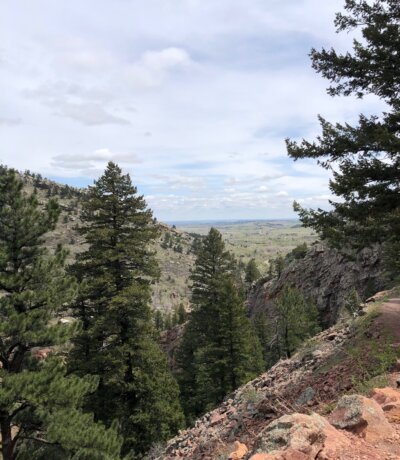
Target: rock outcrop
327,277
309,434
362,416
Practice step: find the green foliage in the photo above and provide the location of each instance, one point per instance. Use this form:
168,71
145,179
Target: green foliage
282,332
276,266
116,342
299,252
296,320
262,327
40,406
219,349
252,396
252,273
391,258
168,321
181,314
353,302
159,320
364,159
372,359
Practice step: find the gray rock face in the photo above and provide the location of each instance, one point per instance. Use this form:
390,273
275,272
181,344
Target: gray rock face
327,277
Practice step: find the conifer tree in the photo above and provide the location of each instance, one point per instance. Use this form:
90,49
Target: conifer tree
296,320
181,313
252,271
219,349
364,158
117,339
40,406
158,320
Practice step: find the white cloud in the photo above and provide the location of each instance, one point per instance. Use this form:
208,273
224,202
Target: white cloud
175,182
6,121
89,114
74,101
94,161
218,84
154,66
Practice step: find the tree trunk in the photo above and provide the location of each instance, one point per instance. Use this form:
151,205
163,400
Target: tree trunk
7,445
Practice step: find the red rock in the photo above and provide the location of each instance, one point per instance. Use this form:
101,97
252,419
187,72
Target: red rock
362,416
385,395
239,452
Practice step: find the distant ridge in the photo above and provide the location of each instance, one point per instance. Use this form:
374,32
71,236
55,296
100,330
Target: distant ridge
229,221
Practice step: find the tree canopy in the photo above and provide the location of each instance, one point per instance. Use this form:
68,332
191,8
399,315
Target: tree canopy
41,413
365,158
117,340
219,349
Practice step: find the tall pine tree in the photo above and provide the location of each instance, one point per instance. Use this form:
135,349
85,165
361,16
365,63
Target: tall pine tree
117,341
40,415
219,349
365,158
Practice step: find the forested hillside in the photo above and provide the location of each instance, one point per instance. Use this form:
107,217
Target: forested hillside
124,338
176,246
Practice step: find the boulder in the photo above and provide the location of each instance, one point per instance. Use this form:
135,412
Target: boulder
389,399
308,434
386,395
362,416
239,452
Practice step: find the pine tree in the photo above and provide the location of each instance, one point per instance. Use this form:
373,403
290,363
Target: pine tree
181,313
159,320
296,320
219,350
252,272
364,159
117,339
232,355
40,415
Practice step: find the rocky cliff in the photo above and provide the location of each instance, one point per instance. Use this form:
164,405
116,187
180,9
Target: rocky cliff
327,277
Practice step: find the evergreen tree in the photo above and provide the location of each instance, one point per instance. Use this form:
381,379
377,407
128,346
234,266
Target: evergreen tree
364,159
158,320
219,349
117,338
40,415
168,321
252,272
296,320
181,312
262,327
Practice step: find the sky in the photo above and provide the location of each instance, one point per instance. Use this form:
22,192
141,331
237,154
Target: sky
194,98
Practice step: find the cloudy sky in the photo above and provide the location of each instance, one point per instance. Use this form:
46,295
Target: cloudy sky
193,98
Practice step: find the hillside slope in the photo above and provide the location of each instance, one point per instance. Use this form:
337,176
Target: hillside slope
347,358
173,249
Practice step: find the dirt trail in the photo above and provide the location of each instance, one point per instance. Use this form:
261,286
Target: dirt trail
389,320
